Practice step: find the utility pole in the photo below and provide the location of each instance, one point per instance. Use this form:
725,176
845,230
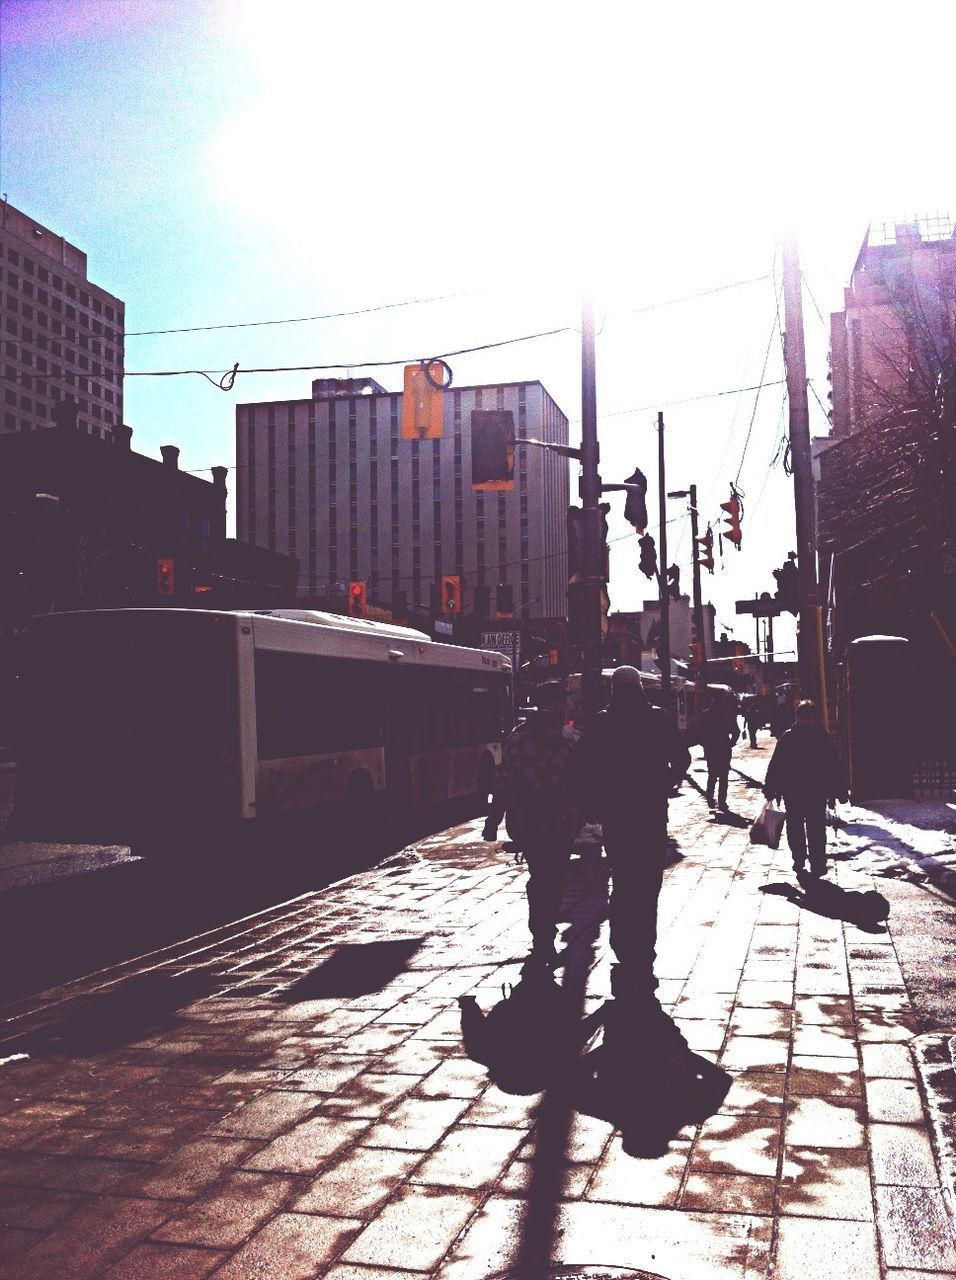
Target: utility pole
810,675
698,603
592,647
665,645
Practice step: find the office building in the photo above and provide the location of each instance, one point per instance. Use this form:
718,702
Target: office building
331,481
62,335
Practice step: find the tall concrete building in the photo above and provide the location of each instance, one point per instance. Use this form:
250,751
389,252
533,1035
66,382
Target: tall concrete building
62,336
331,481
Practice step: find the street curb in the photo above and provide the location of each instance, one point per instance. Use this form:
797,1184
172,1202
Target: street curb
936,1067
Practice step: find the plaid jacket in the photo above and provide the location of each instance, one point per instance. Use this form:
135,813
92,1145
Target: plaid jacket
536,785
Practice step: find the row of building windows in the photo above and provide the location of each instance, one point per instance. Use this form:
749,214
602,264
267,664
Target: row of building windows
46,276
69,334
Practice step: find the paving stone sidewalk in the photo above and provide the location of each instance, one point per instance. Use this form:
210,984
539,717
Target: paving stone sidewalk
238,1106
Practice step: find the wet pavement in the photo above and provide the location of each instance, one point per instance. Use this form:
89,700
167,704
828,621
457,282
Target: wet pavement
289,1094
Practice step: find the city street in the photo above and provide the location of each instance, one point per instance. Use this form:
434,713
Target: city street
288,1093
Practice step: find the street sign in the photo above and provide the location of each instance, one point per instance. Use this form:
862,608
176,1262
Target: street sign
506,642
443,628
762,606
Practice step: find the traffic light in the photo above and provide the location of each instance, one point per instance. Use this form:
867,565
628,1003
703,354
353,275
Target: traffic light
451,595
635,506
483,601
648,561
357,599
423,402
706,557
400,606
788,585
165,577
504,601
492,449
735,511
673,581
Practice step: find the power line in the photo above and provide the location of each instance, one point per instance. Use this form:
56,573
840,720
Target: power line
349,364
416,302
669,404
332,315
806,284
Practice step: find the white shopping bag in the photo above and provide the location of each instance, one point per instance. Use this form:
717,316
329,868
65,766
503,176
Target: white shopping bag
768,826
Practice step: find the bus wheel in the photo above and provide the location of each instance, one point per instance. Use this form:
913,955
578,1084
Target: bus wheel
486,781
361,818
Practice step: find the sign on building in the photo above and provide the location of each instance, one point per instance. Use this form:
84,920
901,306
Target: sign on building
506,642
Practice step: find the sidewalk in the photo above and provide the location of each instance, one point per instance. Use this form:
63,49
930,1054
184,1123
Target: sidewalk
288,1096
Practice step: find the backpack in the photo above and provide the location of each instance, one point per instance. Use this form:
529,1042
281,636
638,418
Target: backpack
527,1039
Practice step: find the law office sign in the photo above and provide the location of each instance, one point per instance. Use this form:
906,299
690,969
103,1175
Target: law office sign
506,642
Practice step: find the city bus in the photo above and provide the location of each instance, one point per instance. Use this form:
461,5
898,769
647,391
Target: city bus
683,695
172,730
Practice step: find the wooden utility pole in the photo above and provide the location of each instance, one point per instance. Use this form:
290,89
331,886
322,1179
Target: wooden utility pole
592,648
796,369
665,599
698,603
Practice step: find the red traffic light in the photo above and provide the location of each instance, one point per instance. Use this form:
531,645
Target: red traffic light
706,554
735,511
357,599
165,577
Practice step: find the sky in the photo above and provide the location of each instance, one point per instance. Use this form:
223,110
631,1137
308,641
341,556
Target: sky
224,162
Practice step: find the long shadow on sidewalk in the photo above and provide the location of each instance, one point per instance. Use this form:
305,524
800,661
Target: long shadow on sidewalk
867,910
643,1079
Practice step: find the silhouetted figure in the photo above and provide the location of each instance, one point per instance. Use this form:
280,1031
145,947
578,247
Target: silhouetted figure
753,718
631,757
804,771
536,793
717,731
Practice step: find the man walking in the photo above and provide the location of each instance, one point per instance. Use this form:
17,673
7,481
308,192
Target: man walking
631,757
535,789
717,731
805,772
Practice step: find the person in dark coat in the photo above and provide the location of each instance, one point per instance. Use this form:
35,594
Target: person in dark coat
536,793
631,758
805,773
717,731
753,717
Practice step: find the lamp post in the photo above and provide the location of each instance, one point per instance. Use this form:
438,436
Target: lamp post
701,662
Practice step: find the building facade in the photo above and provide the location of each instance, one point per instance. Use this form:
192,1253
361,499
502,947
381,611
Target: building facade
330,481
63,337
894,337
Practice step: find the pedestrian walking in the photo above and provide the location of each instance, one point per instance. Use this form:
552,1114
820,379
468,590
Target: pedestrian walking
630,759
753,718
805,773
535,791
717,731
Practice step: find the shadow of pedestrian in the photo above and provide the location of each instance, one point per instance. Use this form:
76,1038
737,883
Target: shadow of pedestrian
867,910
645,1080
531,1038
727,818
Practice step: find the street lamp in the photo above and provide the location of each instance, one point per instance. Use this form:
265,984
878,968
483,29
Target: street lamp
701,654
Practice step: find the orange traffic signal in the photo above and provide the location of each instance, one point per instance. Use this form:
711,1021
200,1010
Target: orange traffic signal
423,402
451,595
357,600
706,556
734,512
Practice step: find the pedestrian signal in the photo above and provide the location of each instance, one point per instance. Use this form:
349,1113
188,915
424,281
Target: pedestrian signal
492,449
357,600
735,511
451,595
504,601
423,403
165,577
788,585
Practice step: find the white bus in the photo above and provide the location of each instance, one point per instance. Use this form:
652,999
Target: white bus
171,729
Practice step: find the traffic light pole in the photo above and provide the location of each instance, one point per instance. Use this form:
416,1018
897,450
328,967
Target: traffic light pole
698,603
810,675
665,644
591,567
